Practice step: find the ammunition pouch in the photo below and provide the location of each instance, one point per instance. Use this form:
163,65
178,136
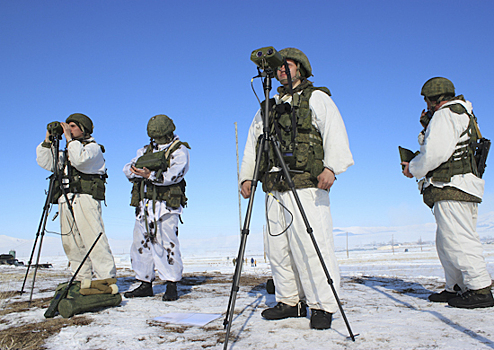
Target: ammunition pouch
92,184
275,181
173,195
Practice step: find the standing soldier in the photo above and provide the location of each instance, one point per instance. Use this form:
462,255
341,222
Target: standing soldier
452,186
158,193
316,149
84,177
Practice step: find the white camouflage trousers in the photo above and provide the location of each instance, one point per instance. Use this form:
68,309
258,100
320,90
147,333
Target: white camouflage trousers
78,236
296,268
458,245
161,250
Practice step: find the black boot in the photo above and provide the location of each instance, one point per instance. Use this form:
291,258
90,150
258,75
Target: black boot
444,296
320,319
144,290
281,311
473,299
171,292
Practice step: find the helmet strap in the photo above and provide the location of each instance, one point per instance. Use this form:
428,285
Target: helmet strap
299,75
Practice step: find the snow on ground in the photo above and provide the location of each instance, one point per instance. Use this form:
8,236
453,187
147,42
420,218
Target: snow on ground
384,295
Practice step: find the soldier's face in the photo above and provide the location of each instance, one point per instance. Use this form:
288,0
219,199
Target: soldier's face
281,73
75,131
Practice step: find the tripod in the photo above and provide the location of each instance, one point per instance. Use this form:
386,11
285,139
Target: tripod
267,140
55,178
44,216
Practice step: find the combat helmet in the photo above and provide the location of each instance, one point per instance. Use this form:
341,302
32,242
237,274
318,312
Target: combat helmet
298,56
82,121
160,128
437,87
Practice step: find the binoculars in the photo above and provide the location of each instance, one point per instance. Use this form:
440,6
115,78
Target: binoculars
55,128
267,57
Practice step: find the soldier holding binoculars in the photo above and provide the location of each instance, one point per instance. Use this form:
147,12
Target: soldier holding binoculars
79,190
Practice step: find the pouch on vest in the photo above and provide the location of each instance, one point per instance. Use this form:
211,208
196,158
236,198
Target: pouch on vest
95,186
152,160
135,194
174,197
482,147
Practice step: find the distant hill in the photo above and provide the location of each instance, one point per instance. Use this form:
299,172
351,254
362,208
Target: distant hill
229,245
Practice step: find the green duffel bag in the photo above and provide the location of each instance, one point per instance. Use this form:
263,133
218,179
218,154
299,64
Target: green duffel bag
76,303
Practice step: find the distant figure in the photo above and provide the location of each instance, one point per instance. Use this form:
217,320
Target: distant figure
314,143
84,177
252,262
158,194
451,184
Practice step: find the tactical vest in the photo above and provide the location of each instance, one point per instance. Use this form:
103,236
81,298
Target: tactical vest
75,181
301,144
462,161
173,195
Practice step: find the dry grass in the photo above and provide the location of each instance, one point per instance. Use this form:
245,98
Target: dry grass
19,306
33,335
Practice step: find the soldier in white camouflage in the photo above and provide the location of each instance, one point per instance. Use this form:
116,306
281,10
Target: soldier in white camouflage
315,147
157,174
84,177
451,185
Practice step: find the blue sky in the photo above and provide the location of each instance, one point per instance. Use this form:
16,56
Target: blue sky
122,62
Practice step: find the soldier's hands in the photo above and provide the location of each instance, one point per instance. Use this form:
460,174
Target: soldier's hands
406,170
246,188
326,179
66,131
144,172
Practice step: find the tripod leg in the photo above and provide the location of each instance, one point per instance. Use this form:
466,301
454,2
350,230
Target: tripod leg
41,227
53,307
39,235
235,288
35,271
44,216
241,252
310,232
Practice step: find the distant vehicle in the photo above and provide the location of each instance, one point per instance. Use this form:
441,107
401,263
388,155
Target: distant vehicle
8,259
